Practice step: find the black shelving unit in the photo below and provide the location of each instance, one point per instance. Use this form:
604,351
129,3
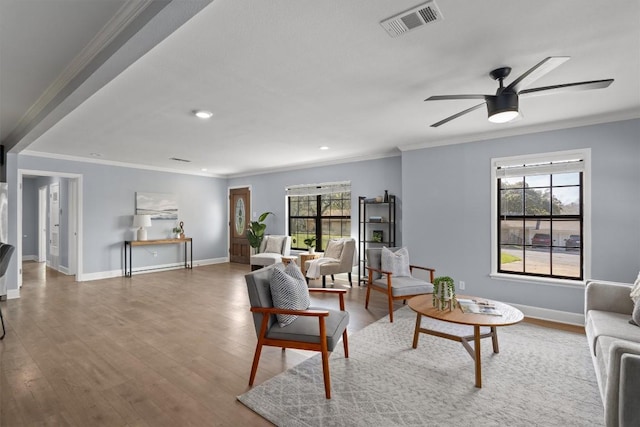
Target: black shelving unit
376,228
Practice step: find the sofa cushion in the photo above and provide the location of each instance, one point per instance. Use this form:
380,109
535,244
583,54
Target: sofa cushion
606,323
396,262
289,291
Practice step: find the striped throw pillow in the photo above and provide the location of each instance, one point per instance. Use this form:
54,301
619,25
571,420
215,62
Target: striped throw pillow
289,290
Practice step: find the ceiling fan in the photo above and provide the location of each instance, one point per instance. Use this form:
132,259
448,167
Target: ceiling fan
503,106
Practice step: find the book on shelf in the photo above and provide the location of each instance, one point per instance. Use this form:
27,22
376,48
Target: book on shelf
477,306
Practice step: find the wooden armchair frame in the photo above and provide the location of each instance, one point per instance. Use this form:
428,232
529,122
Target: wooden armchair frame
388,290
300,345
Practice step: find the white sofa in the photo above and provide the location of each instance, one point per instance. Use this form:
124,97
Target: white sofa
615,349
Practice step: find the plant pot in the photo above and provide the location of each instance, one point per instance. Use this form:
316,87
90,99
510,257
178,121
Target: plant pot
312,250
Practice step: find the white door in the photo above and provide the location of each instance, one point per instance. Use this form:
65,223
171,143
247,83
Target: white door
54,225
42,224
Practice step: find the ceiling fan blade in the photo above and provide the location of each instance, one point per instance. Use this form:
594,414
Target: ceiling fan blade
446,97
567,87
455,116
535,72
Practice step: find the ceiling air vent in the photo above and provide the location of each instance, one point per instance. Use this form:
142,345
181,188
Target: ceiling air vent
412,19
177,159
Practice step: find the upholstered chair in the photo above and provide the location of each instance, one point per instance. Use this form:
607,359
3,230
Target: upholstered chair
398,286
339,257
312,328
271,251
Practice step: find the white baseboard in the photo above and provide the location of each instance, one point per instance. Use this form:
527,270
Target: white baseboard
551,315
149,269
30,258
13,293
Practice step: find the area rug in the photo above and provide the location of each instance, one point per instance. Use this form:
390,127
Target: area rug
541,377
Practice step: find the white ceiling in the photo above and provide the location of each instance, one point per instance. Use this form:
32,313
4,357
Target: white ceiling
285,77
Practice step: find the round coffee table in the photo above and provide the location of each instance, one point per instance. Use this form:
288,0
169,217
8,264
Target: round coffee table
463,327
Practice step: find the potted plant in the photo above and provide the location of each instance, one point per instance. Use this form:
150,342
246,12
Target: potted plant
311,244
444,293
255,232
179,230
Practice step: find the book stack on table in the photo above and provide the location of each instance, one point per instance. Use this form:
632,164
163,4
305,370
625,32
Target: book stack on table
477,306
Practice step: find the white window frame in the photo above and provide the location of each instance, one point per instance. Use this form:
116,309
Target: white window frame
585,155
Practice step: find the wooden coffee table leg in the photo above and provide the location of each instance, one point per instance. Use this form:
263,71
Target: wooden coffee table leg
476,340
416,333
494,339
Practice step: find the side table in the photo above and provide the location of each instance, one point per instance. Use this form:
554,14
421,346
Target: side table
306,256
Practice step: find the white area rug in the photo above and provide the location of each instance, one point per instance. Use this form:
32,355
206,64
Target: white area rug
541,377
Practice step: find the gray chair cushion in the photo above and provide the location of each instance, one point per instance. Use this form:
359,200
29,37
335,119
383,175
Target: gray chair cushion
306,328
401,286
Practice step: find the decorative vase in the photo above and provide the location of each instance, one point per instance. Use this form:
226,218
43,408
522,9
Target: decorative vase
312,250
386,196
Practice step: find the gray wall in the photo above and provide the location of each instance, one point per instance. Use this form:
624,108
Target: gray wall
109,204
447,193
368,178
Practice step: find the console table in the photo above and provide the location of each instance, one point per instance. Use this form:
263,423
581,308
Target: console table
129,244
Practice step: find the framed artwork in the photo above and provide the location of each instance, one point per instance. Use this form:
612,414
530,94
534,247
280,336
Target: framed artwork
377,236
158,205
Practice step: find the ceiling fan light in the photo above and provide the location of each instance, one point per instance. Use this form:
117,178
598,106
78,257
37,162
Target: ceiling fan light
502,108
503,116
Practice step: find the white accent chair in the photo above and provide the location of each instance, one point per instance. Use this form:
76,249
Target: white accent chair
343,251
271,251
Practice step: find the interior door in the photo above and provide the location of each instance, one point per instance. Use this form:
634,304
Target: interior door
54,224
239,218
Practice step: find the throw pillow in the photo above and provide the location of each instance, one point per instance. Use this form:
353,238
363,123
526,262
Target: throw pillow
635,316
334,249
274,244
396,262
289,290
635,291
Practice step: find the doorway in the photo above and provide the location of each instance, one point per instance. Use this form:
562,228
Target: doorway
239,218
50,203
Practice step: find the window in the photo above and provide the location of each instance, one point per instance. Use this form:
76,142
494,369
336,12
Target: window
539,222
320,210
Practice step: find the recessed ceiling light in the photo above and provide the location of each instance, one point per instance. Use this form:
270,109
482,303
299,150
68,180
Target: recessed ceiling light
203,169
203,114
324,147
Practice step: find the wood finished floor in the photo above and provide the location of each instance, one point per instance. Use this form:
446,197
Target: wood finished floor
162,349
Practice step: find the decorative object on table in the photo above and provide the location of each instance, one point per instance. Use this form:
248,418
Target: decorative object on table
379,199
377,236
375,219
158,205
311,244
142,221
180,230
256,230
386,196
444,293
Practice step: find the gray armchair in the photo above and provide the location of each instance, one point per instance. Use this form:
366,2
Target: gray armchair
271,251
395,288
340,250
316,329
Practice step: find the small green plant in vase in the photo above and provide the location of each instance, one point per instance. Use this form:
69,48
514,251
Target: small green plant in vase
311,244
179,230
444,293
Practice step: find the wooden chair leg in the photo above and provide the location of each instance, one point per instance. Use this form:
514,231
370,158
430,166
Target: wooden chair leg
325,358
345,344
256,360
390,308
366,300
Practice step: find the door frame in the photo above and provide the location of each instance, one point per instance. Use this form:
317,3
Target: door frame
77,212
42,223
229,219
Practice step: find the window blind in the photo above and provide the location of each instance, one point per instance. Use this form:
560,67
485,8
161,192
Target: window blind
315,189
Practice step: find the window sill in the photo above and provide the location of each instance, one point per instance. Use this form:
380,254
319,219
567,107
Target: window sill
540,280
